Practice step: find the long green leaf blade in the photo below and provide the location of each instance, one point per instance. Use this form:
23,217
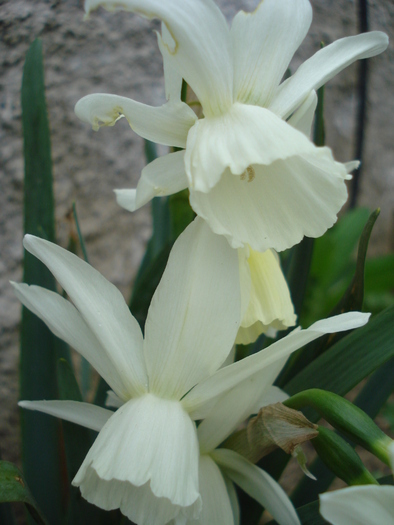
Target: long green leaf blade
350,360
40,433
13,488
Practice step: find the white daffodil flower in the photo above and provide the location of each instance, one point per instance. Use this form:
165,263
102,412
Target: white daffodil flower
360,505
145,458
268,297
252,173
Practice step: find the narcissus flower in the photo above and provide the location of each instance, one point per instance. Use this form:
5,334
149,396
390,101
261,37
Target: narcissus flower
252,173
145,458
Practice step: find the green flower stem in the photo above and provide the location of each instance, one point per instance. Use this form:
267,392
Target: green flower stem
345,417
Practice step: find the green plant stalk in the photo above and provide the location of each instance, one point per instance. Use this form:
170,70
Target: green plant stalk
345,417
341,458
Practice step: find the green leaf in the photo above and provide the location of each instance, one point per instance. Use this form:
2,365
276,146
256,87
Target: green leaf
371,398
13,488
40,433
350,360
352,300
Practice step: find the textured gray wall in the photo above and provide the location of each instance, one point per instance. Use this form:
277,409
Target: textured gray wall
117,53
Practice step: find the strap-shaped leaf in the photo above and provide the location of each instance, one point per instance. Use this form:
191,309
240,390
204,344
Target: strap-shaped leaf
13,488
350,360
40,434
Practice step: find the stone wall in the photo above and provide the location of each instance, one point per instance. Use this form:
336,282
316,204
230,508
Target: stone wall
117,53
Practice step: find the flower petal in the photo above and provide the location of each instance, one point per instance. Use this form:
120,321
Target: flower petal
284,202
232,375
64,320
84,414
270,303
172,79
233,499
258,484
236,405
195,312
145,461
302,119
216,504
202,52
167,124
264,42
102,307
323,66
244,136
362,505
164,176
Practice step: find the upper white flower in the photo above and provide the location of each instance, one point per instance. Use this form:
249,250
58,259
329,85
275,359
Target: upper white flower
145,458
252,173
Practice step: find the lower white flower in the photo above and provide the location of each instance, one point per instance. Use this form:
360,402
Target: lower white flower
145,458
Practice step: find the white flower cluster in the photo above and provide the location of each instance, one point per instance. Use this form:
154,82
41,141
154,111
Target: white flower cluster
257,184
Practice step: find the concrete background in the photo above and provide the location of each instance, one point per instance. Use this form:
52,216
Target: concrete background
117,53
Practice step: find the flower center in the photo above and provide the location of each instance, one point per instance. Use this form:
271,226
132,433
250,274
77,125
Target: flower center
250,173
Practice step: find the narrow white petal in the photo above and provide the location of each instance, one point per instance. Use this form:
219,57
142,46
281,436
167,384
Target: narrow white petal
216,504
195,312
145,461
172,79
164,176
167,124
243,136
236,405
258,484
84,414
202,51
362,505
286,201
64,320
263,44
102,307
233,499
270,304
323,66
232,375
302,119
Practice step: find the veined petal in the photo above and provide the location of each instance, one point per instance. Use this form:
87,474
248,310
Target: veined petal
232,375
64,320
84,414
362,505
233,499
323,66
164,176
264,42
144,461
302,119
270,304
258,484
102,307
285,201
202,51
236,405
195,312
216,504
167,124
244,136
